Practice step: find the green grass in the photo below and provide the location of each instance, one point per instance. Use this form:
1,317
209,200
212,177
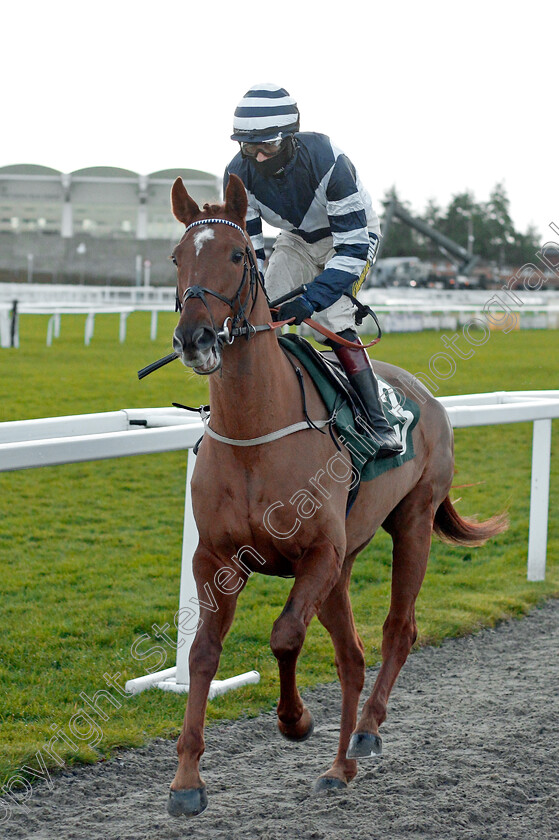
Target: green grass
90,553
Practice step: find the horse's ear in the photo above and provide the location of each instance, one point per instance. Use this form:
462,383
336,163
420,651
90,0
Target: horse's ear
184,207
236,202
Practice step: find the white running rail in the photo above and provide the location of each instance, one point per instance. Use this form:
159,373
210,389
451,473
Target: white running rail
27,444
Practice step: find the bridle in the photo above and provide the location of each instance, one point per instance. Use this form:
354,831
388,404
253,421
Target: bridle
237,323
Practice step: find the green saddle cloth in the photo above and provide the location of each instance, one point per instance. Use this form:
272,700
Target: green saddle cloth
403,418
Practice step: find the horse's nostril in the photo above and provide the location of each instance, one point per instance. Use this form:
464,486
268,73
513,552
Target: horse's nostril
178,343
203,338
199,339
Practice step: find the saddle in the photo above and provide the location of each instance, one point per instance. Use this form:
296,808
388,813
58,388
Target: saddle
346,408
327,362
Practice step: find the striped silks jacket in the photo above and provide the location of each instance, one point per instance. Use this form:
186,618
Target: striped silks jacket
318,194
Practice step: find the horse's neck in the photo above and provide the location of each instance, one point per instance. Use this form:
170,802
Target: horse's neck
253,393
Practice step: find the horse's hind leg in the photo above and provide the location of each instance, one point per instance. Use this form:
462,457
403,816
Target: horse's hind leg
321,570
337,616
410,526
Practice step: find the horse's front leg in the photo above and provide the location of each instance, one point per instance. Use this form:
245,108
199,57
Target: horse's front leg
320,570
188,796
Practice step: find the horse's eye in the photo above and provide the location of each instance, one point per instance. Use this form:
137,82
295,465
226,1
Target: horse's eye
173,259
237,256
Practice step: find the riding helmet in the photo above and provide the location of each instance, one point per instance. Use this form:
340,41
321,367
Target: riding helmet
266,112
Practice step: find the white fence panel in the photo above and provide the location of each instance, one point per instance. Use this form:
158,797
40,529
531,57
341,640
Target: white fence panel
58,440
399,310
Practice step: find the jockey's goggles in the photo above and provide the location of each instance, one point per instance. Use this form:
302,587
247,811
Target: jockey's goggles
268,148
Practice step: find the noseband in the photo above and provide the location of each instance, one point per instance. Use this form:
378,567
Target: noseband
240,316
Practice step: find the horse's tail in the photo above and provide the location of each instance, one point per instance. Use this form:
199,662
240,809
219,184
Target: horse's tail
452,528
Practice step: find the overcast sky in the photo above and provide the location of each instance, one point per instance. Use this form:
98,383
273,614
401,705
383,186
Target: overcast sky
432,97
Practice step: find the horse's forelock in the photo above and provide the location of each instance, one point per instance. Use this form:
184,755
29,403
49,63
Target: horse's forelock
219,211
213,209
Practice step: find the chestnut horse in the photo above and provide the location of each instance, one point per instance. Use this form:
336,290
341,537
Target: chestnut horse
245,495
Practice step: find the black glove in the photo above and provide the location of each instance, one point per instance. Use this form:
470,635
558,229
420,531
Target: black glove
299,308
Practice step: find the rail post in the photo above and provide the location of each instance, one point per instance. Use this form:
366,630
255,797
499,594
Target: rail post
539,499
14,326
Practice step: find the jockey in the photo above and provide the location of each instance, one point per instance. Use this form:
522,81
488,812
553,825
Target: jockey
300,182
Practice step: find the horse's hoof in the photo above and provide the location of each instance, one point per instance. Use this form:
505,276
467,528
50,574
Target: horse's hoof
187,803
363,745
294,733
328,783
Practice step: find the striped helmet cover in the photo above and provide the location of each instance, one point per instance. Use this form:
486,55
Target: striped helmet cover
266,112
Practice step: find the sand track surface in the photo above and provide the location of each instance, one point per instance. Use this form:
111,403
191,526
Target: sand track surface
471,750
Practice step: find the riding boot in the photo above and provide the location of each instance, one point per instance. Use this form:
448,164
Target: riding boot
361,376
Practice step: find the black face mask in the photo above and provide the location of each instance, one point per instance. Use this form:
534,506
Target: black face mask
273,167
